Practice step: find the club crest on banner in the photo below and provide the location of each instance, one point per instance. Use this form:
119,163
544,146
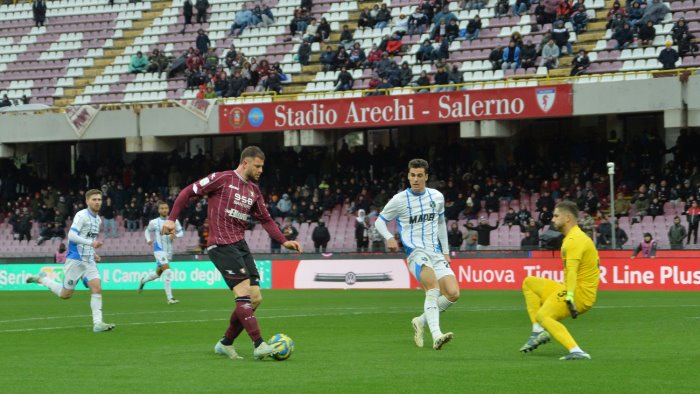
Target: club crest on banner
80,117
545,98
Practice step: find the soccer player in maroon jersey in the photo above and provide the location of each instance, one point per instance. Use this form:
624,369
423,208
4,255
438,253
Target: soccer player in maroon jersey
234,196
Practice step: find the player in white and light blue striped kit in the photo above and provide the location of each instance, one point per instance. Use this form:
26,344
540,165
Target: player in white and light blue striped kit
81,261
162,250
420,214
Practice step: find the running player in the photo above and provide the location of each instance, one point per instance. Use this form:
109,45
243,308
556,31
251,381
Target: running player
549,302
233,197
162,251
81,261
420,213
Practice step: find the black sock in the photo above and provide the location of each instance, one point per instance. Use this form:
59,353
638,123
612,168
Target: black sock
258,342
226,342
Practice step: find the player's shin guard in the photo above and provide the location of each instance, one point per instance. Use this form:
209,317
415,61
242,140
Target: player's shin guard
431,312
96,306
55,287
244,313
167,276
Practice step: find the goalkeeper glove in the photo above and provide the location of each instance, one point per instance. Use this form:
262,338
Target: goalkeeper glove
571,305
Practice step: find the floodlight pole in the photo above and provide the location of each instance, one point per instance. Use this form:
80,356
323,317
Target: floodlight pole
611,173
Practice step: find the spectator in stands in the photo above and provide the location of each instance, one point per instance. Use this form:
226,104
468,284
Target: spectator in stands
178,65
202,43
417,22
678,29
357,56
655,207
655,12
362,226
289,231
108,214
587,224
687,45
60,256
564,10
455,75
439,32
231,59
243,18
647,247
561,35
496,58
324,30
39,12
624,36
284,205
201,6
579,19
405,74
187,11
393,46
346,39
501,8
220,81
442,79
52,231
511,57
425,52
5,101
344,80
676,234
693,216
531,229
157,62
365,19
321,236
383,16
138,63
528,54
647,33
304,53
133,217
520,7
455,238
484,232
615,10
511,218
374,55
311,33
422,81
550,55
452,30
327,58
473,28
264,15
549,11
274,81
203,233
340,59
668,57
580,63
236,85
634,14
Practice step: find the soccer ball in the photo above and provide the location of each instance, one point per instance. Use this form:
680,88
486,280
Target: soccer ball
283,344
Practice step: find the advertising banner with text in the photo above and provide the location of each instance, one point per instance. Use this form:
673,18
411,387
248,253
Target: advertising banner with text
125,276
383,111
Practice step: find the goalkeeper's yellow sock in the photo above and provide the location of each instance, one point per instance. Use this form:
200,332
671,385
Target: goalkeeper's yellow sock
558,331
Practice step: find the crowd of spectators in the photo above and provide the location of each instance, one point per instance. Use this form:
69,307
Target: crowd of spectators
363,182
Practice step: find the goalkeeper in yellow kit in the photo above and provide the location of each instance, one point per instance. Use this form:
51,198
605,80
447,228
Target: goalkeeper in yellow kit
548,301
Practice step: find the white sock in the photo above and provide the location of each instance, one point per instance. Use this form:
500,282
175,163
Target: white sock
431,312
150,277
55,287
96,306
536,327
167,276
443,304
576,349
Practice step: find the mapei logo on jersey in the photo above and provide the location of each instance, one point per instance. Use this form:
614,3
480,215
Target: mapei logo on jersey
426,217
545,98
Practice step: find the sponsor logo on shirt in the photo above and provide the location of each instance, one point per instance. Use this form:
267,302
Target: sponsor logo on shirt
235,214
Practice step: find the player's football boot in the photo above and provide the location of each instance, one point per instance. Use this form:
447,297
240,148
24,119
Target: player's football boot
264,350
142,283
442,340
173,301
36,278
417,323
228,351
101,327
576,356
536,339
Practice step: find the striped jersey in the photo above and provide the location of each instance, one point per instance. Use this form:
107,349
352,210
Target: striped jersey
417,218
86,225
162,243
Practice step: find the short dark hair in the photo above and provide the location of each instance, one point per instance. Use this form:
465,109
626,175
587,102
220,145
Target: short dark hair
418,163
568,206
252,152
676,217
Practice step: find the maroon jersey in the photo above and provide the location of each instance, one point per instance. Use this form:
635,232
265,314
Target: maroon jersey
232,200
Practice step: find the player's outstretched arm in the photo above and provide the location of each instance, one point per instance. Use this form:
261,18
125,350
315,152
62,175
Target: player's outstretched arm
293,245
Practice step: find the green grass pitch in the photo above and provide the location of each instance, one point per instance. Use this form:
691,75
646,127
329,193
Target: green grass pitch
345,341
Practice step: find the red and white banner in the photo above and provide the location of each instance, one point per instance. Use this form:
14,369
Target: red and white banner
80,117
382,111
495,274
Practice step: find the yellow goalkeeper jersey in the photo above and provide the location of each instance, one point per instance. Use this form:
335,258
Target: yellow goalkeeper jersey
581,265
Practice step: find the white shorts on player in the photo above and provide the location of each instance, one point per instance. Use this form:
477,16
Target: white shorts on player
422,258
76,270
162,258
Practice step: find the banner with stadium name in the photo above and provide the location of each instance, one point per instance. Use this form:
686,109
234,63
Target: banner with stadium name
396,110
